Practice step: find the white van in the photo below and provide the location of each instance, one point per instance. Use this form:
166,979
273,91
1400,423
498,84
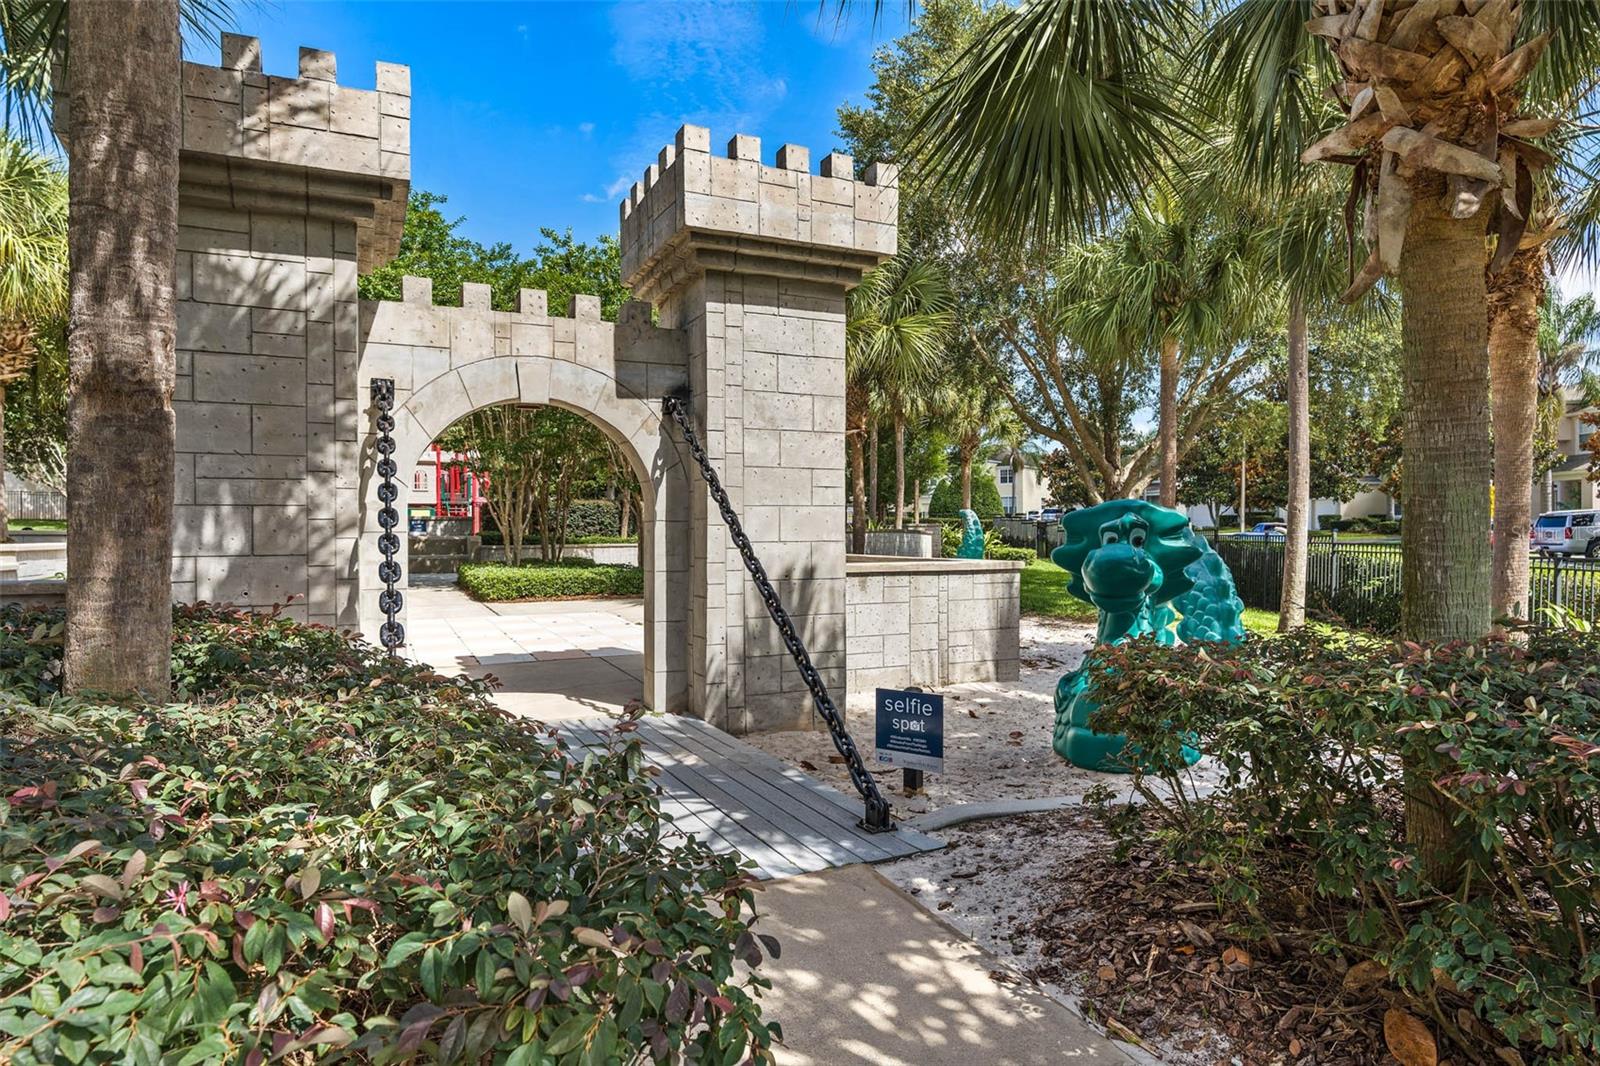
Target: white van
1567,533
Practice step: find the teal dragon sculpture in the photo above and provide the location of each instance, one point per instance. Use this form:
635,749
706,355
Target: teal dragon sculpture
1149,574
971,536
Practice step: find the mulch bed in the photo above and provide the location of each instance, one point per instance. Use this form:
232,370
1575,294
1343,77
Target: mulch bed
1157,963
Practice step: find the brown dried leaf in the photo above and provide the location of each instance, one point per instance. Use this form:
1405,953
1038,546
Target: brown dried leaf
1390,105
1364,975
1529,127
1514,67
1500,18
1470,37
1408,1039
1430,153
1393,212
1371,18
1417,21
1347,139
1331,26
1372,60
1365,278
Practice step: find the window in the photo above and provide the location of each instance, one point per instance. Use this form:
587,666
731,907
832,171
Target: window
419,480
1005,475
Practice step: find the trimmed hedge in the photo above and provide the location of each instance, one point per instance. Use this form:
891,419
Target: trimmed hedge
548,581
593,518
325,853
1006,551
1364,524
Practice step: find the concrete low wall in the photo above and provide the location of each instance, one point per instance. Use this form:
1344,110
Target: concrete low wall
930,622
605,554
905,543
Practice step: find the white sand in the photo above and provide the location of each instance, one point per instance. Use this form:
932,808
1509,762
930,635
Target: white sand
997,734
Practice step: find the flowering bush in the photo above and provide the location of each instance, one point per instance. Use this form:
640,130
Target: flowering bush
1311,736
323,849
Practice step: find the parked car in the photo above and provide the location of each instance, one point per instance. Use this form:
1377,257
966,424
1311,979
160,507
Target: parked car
1050,514
1568,533
1268,531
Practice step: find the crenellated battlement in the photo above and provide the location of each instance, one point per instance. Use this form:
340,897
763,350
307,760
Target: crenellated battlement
316,148
783,219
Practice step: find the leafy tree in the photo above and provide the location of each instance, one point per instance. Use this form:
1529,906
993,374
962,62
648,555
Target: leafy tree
33,276
534,461
122,140
984,496
1177,279
432,246
898,320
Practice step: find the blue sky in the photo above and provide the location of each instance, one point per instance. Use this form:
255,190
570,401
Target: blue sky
542,114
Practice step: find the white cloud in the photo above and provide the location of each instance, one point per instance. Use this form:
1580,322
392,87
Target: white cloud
586,128
618,187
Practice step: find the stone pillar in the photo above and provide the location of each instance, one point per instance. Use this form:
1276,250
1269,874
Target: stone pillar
288,187
753,263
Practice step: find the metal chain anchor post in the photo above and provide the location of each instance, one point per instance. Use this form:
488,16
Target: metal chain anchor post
877,818
391,634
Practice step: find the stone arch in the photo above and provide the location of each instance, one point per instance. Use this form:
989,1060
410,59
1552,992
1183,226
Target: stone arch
628,421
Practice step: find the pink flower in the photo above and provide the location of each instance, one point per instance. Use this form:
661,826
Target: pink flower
179,898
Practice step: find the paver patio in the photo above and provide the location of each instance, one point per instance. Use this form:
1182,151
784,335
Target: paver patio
555,659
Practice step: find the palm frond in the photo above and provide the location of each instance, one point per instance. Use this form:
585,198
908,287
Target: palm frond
33,37
1263,76
1046,124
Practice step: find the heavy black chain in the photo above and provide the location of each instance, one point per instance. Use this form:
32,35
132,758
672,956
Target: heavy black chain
391,634
877,818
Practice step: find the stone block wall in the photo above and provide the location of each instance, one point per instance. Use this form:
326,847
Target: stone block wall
287,187
931,622
752,262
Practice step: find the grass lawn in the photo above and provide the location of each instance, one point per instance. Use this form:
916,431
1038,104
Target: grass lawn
56,525
1044,592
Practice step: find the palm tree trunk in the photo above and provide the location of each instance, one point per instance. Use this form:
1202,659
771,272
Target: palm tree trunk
1292,601
858,481
1168,428
123,155
899,472
872,475
916,501
1514,298
966,479
5,527
1244,462
1448,462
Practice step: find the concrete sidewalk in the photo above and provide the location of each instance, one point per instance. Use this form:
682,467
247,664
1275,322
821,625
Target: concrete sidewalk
868,977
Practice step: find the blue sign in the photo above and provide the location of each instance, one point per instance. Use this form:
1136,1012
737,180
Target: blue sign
911,729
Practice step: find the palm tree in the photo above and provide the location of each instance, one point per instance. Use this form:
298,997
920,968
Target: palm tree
977,415
1569,348
33,265
123,134
1429,107
1175,278
899,319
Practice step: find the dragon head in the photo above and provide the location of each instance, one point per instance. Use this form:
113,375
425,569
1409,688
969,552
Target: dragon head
1124,554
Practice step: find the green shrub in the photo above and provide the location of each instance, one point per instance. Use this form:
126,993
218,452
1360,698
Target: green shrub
1365,524
379,862
593,518
946,499
1006,551
1310,735
548,581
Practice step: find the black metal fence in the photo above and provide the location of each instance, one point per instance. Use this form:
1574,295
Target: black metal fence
1359,582
32,503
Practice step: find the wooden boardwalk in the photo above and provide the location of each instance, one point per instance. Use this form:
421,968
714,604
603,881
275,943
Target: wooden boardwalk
735,798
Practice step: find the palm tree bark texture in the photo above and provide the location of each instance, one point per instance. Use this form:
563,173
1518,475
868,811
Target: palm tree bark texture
1515,294
1168,418
1292,601
123,142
